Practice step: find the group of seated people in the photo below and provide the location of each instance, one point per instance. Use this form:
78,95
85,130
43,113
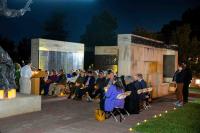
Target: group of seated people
98,84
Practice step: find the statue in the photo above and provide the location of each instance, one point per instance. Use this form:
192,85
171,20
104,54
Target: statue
11,13
7,71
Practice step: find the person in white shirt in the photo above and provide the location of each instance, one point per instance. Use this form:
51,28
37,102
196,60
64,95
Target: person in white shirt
25,79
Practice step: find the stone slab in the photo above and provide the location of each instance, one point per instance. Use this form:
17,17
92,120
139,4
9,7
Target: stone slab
20,105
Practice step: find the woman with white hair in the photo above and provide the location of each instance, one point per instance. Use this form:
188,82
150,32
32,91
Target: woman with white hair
132,101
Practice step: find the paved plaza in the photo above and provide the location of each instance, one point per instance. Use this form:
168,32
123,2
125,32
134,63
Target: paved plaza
60,115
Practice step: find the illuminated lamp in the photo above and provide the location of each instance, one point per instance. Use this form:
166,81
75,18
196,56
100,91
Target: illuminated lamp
197,81
1,94
130,129
11,93
138,123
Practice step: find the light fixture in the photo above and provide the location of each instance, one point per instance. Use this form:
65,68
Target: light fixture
160,115
166,111
145,121
130,129
197,81
138,123
155,116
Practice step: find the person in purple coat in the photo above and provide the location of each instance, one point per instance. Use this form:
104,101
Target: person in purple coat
111,94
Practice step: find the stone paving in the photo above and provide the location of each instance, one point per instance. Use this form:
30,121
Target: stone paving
60,115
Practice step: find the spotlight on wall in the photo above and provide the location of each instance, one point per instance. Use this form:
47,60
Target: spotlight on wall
197,81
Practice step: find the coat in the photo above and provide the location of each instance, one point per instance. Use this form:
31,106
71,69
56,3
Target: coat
132,101
111,100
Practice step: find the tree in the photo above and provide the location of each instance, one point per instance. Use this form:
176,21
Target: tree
191,16
183,41
54,27
145,33
168,31
101,31
186,34
24,50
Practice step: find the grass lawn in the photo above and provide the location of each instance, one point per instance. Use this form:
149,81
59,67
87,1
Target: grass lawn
194,89
181,120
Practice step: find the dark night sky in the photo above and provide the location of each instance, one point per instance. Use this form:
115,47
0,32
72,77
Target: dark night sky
151,14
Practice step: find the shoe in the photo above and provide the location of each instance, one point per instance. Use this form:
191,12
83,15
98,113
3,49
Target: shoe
176,103
73,96
89,99
180,104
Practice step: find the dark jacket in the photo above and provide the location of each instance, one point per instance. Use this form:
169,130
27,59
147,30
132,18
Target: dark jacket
91,82
178,76
80,80
143,84
100,82
132,101
187,75
62,79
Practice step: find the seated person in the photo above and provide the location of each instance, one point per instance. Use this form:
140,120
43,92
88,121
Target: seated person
99,88
111,94
43,81
143,86
49,79
109,79
53,77
132,102
71,82
60,85
79,85
89,85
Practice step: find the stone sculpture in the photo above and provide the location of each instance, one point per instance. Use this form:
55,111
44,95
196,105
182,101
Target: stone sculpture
11,13
7,71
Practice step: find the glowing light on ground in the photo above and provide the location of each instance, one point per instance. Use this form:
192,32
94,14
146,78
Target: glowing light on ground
138,123
130,129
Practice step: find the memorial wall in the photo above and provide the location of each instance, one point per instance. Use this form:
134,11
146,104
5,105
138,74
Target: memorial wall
51,54
152,58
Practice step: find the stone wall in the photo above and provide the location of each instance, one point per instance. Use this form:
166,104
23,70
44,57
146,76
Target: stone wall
147,60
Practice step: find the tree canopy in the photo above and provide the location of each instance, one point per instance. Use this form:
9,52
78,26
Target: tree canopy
101,31
54,27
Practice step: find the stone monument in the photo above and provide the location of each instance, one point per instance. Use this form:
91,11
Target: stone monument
7,72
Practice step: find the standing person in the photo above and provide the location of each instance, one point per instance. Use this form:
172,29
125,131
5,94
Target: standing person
25,79
179,78
186,81
17,75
